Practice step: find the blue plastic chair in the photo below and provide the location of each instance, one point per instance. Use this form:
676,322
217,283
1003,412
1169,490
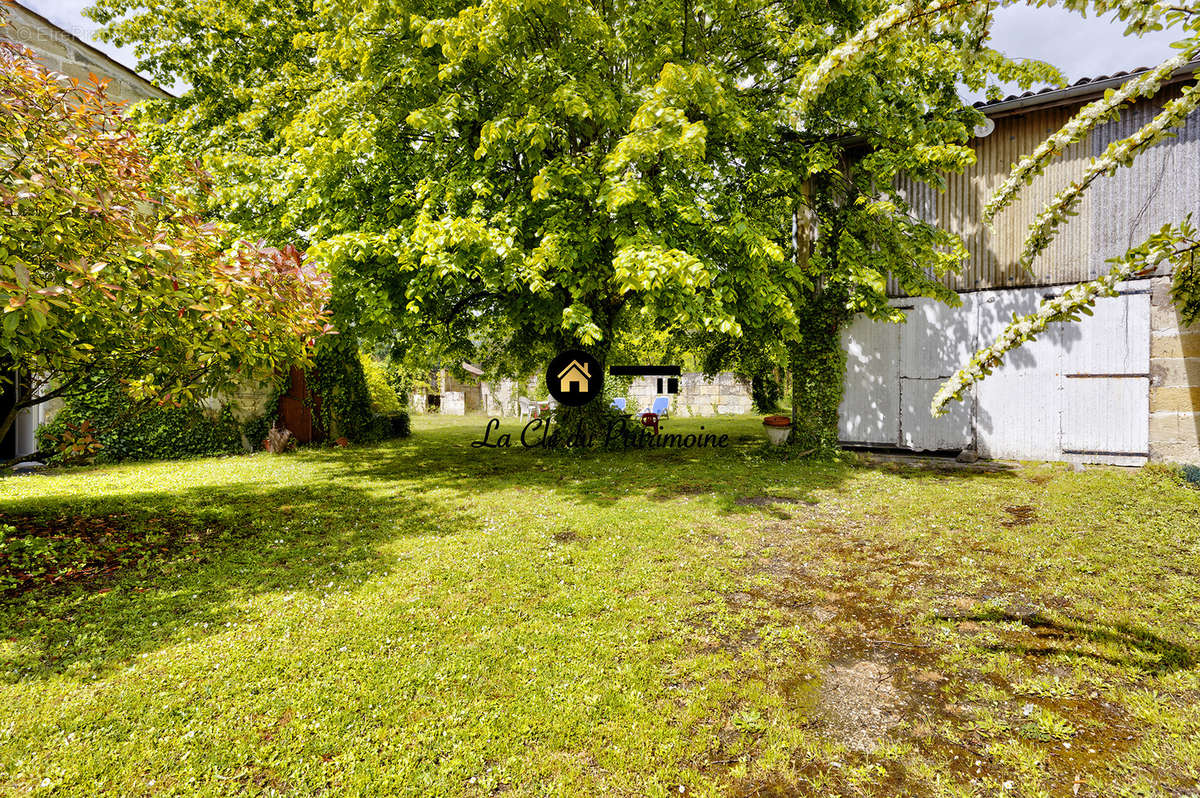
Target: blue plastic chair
661,405
619,403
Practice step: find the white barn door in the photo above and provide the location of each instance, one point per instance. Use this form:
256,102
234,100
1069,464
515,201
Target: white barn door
1106,381
1019,403
870,410
934,343
1081,391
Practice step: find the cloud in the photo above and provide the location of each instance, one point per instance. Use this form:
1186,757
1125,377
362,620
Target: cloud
1079,46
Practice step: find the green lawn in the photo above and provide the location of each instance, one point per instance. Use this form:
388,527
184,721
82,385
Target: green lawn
426,618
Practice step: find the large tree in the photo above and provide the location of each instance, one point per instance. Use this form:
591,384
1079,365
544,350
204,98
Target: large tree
106,271
550,173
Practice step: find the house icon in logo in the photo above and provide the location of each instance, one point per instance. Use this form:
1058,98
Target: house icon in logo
574,378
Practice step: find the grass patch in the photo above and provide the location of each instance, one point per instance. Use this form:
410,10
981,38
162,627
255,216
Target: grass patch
427,618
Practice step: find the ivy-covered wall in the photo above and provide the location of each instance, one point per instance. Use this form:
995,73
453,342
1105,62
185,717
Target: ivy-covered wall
127,431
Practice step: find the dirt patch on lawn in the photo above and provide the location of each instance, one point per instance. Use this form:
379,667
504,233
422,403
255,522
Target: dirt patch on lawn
53,550
860,703
767,500
1019,515
882,681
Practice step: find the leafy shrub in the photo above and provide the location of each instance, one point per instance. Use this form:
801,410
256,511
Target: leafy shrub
349,386
395,425
541,392
1191,475
73,443
766,391
337,381
125,430
407,380
83,290
380,390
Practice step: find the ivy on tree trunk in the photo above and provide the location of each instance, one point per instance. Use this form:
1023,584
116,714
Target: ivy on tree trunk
818,366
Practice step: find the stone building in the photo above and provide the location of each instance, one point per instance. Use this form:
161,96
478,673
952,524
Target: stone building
721,394
62,51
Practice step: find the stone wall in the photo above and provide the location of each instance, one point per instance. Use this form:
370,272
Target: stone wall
453,403
250,401
460,397
456,397
724,394
65,52
500,396
1174,381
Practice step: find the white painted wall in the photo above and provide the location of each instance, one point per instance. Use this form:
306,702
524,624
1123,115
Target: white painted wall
1079,392
28,420
25,427
453,403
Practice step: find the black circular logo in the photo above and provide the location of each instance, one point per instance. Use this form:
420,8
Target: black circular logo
574,378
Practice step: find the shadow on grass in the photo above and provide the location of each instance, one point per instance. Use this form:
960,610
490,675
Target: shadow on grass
1060,636
747,476
244,540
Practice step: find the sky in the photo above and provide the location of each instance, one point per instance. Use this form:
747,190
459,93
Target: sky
1079,47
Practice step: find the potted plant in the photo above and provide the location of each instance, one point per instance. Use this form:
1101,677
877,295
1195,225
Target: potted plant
778,428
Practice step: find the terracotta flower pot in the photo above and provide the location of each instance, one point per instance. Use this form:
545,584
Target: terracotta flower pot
777,428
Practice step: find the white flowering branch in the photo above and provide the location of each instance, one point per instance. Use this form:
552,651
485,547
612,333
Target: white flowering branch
1082,123
1117,154
1171,244
845,55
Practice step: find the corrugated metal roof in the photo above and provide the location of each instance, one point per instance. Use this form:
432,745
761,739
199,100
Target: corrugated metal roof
1077,92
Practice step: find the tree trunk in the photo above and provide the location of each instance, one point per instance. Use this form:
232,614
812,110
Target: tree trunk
585,426
818,367
10,417
817,362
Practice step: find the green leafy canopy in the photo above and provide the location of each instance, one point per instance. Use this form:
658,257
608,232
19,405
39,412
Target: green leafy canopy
524,174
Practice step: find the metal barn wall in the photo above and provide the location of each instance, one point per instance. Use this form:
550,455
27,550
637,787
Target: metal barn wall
1118,211
870,410
1088,391
1162,186
1079,392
